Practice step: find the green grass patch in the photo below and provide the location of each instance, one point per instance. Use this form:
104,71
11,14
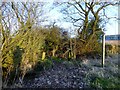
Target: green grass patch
105,83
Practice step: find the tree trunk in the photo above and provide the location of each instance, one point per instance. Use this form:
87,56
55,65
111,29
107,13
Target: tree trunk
54,51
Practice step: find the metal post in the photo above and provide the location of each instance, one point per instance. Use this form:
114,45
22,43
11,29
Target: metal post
103,50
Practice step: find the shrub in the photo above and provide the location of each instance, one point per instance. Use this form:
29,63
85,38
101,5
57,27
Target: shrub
42,65
57,60
105,83
112,49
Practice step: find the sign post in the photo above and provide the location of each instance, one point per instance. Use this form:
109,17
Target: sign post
103,50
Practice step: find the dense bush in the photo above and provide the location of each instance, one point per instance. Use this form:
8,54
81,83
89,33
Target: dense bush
21,53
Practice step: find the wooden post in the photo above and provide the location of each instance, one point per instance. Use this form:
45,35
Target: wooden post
43,55
103,50
74,49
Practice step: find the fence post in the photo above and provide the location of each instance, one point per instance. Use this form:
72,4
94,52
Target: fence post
103,50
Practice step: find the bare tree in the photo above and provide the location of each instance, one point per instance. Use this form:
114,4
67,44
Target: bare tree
82,13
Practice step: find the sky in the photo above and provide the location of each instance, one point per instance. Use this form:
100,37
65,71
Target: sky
112,26
55,15
110,29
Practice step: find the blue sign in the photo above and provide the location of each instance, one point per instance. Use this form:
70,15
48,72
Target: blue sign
112,37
